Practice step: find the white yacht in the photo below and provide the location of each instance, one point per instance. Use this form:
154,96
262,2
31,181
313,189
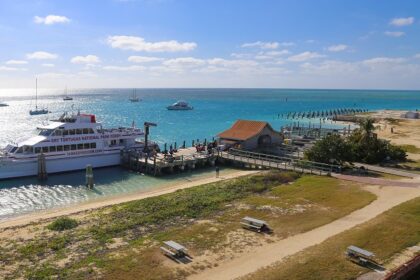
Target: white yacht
134,97
66,96
180,106
67,144
37,111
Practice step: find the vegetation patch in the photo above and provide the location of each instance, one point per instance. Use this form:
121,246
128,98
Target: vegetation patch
362,145
63,223
386,235
410,149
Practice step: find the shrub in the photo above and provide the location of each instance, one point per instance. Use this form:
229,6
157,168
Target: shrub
63,223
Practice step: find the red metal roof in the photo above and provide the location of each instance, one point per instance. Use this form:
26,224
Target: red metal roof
244,129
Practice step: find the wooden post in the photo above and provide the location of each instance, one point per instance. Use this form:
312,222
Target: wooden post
89,176
42,167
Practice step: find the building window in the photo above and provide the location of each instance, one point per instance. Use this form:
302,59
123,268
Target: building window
53,149
85,131
86,146
45,149
66,147
80,146
73,147
79,131
72,132
65,132
37,150
59,148
93,145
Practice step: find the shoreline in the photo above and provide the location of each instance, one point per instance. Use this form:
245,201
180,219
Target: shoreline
43,215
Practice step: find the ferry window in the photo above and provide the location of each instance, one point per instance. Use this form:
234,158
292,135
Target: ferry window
45,149
53,149
93,145
66,147
58,132
37,150
71,131
65,132
91,131
86,146
59,148
113,142
79,131
79,146
19,151
73,147
45,132
85,131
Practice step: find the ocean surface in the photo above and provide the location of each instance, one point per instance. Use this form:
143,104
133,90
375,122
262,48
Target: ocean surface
214,111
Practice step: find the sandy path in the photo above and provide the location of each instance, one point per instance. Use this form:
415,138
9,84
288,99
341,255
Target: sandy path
246,263
51,213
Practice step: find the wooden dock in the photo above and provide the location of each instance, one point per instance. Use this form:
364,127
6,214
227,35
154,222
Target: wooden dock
183,159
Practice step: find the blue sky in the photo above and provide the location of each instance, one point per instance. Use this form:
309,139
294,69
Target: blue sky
190,43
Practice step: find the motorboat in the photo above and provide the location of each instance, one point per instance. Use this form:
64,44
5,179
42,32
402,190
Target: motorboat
180,106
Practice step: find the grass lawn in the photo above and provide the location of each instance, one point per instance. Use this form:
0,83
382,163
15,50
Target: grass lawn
386,235
122,241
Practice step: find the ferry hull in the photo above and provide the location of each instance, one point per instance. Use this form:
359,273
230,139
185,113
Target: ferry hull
24,168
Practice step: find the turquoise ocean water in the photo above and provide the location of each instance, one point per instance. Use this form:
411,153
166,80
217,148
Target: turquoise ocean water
214,111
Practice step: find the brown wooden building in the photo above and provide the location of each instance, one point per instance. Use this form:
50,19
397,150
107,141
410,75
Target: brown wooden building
250,135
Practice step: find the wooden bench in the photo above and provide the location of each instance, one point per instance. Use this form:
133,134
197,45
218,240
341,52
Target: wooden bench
175,251
361,256
255,224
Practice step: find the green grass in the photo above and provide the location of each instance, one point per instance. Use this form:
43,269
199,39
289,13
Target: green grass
63,223
386,235
410,149
143,224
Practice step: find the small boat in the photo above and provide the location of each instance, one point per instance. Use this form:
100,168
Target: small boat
180,106
134,97
37,111
3,104
66,96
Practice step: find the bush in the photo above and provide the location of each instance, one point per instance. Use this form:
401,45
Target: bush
331,149
63,223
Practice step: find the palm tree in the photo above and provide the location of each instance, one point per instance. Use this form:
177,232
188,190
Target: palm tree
366,128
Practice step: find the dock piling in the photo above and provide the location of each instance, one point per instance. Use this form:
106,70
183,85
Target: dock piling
89,176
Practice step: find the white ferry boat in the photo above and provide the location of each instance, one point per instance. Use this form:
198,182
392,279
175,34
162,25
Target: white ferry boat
67,144
180,106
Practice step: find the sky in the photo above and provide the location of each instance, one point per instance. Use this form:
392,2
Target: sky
349,44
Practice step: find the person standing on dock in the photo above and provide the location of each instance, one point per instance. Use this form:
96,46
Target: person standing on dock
217,171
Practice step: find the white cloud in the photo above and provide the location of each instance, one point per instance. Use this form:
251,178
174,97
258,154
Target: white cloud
51,19
304,56
184,62
132,68
11,69
277,53
16,62
48,65
337,48
329,67
417,55
89,59
143,59
287,44
261,45
53,75
402,21
394,33
139,44
232,63
41,55
380,60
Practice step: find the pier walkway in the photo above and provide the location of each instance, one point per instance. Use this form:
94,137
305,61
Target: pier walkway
252,159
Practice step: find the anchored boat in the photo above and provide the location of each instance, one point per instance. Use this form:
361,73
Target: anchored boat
67,144
180,106
37,111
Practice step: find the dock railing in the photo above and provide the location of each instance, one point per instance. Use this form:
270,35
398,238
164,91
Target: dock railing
279,162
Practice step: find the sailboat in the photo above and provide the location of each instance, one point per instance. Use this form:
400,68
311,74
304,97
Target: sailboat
66,96
134,97
37,111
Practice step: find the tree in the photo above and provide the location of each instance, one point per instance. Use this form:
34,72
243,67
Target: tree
331,149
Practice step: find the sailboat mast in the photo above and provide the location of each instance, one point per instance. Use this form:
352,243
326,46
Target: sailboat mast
36,93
